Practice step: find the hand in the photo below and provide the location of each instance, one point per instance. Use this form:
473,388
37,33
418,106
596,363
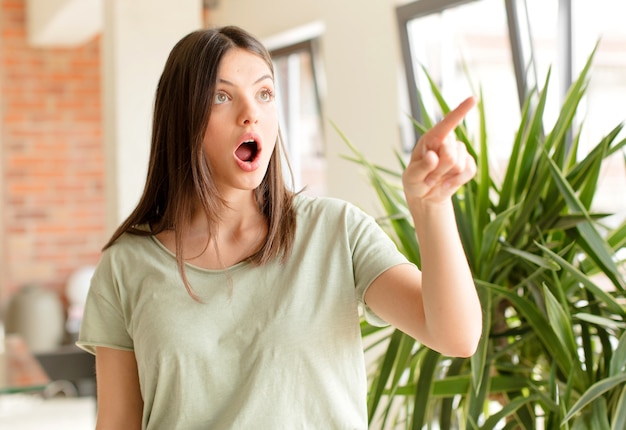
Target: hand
440,164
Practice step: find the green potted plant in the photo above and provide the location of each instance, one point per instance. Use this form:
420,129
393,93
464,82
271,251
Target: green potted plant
553,351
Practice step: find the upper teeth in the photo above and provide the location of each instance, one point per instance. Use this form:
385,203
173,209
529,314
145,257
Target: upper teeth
249,141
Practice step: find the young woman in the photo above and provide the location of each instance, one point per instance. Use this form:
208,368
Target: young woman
226,301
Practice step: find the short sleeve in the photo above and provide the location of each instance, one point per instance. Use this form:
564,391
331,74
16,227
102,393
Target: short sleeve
373,252
104,322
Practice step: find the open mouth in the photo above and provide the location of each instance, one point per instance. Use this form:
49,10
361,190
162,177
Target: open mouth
247,151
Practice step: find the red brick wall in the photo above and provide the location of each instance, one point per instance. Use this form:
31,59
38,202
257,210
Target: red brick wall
52,157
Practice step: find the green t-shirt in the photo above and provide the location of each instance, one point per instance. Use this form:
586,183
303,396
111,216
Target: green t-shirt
276,346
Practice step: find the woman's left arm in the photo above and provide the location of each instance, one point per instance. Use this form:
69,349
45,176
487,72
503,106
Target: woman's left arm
438,306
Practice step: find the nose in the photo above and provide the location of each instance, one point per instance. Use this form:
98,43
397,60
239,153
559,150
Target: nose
249,113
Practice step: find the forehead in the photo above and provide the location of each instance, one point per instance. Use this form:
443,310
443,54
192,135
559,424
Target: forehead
238,62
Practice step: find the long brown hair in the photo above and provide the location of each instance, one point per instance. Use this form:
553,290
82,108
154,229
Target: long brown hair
179,178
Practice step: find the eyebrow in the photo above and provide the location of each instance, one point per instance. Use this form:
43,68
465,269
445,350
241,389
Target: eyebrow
262,78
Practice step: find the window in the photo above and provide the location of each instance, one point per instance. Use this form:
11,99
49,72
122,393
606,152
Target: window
298,97
449,45
509,53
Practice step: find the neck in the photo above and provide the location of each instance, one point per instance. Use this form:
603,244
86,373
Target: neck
240,213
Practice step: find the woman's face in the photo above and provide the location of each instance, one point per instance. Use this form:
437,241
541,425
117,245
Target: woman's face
243,124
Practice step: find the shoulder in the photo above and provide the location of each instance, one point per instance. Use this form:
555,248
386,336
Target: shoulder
130,243
331,217
309,206
128,260
132,250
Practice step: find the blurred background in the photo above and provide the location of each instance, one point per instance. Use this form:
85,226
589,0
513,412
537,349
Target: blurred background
77,81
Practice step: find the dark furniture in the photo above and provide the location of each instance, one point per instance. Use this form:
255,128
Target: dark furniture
72,364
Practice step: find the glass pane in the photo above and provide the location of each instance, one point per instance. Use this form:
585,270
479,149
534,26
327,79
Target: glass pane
604,106
300,120
602,109
452,48
461,55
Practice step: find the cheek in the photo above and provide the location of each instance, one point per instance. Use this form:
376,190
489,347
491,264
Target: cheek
270,115
271,131
272,140
213,146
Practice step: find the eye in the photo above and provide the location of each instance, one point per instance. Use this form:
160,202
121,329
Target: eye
266,95
220,98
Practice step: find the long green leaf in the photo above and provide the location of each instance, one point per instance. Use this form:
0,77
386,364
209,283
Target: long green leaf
600,321
459,385
509,184
572,100
600,415
483,204
492,232
508,410
538,260
386,368
612,305
540,324
560,322
599,251
424,388
595,391
618,361
619,417
479,361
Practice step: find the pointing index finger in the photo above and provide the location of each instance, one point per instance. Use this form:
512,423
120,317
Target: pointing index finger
453,118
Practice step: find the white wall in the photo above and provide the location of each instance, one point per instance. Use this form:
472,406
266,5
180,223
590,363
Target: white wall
361,58
137,38
2,222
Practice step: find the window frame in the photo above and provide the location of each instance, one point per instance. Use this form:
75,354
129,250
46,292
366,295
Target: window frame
523,59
